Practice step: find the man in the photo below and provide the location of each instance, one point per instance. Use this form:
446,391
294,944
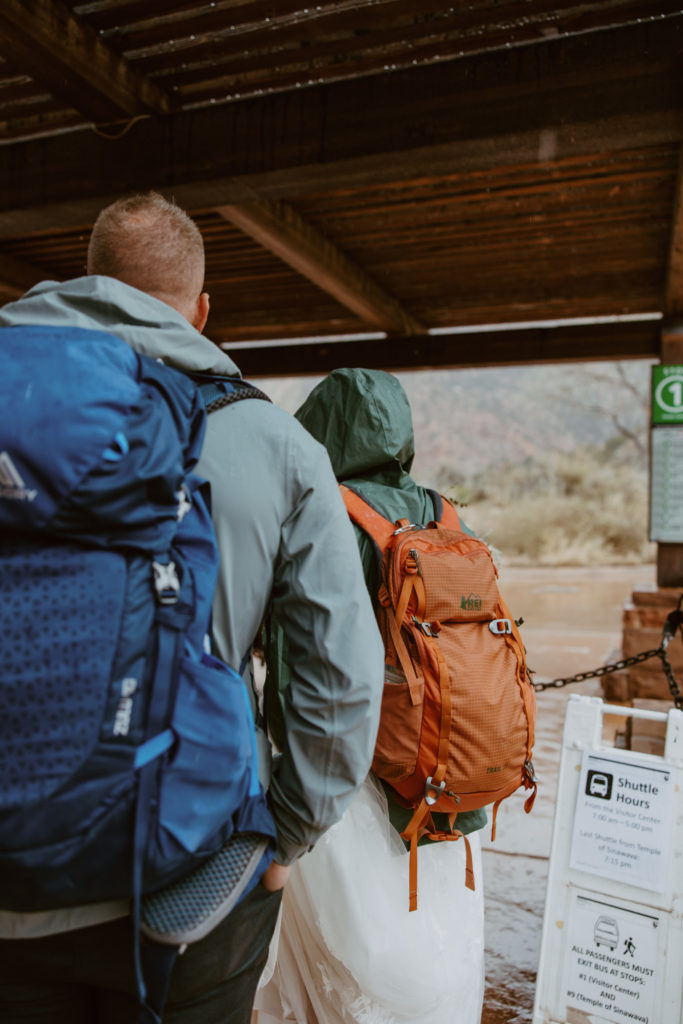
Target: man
286,546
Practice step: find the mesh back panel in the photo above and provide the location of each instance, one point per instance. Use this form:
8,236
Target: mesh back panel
189,908
60,609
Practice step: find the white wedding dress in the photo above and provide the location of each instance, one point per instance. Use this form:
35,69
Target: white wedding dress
347,949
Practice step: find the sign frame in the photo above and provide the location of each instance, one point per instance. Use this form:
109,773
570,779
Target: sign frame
562,996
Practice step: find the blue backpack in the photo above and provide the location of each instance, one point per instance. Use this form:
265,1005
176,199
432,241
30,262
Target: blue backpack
127,750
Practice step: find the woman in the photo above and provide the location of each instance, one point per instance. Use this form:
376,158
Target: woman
349,952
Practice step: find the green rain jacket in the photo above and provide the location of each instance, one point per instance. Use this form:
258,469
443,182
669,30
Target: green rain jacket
363,419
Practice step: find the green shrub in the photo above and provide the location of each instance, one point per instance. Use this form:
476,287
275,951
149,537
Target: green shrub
587,507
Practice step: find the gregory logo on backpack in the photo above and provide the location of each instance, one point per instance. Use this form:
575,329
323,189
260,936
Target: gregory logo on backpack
458,709
125,708
11,484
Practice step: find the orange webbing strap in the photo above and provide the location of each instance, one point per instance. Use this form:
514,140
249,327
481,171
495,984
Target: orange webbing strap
516,644
380,529
411,833
406,663
493,819
469,864
416,826
445,730
528,804
411,582
413,875
404,597
421,597
414,830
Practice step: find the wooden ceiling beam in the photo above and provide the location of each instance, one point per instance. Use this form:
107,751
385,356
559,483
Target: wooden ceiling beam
459,350
670,556
67,57
589,94
278,227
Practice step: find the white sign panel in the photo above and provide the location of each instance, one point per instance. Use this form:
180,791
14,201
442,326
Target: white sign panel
666,485
613,971
623,818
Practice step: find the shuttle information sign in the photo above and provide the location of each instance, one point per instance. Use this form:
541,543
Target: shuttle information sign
666,485
613,970
622,822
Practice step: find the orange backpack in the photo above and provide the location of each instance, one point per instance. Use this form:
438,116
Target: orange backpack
458,708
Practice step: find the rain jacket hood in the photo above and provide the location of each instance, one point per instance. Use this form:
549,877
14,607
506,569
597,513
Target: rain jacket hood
363,419
149,325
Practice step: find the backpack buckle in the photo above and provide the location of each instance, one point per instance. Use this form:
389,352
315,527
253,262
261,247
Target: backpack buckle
432,791
500,626
166,582
426,627
404,529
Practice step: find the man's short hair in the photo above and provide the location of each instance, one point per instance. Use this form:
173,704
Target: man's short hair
150,243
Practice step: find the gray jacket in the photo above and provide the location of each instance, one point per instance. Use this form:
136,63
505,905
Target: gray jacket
285,541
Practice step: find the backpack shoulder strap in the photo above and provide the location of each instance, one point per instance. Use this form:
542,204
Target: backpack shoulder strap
218,392
381,530
444,512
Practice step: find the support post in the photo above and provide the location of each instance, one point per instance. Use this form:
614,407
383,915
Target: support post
670,556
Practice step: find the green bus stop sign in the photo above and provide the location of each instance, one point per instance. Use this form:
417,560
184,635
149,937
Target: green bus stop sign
667,394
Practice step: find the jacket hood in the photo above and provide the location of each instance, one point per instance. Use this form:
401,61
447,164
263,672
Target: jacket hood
102,303
363,419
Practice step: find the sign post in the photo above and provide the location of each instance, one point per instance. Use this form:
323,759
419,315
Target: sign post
612,943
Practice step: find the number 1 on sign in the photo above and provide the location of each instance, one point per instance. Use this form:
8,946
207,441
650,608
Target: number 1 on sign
669,394
676,389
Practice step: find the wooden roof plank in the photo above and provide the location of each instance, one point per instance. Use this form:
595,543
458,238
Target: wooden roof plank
45,40
499,110
396,29
278,227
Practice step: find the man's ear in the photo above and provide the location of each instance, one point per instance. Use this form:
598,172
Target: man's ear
201,312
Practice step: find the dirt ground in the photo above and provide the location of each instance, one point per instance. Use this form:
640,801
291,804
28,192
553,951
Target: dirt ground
572,623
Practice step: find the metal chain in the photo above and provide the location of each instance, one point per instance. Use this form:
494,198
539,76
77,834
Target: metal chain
673,622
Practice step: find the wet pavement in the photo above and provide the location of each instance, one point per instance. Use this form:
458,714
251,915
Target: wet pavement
572,623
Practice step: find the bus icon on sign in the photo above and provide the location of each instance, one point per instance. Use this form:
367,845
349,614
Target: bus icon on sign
599,784
606,931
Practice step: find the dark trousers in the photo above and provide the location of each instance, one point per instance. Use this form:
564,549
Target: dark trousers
86,976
